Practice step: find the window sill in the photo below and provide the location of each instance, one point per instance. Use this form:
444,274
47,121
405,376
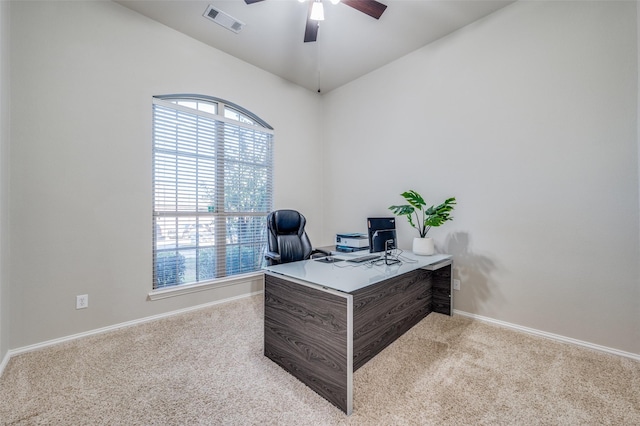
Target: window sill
209,285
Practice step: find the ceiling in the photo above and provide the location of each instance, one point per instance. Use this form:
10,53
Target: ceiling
349,45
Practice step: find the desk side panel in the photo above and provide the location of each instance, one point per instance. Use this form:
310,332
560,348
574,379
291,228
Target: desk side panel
441,285
385,311
305,332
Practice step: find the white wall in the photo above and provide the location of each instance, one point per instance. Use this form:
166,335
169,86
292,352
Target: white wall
4,163
83,76
529,118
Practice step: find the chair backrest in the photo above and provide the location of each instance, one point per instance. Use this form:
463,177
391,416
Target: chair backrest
286,235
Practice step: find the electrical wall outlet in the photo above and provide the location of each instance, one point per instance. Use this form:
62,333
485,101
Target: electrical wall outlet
456,284
82,301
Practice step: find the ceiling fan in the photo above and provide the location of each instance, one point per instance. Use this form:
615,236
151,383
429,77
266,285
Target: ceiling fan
372,8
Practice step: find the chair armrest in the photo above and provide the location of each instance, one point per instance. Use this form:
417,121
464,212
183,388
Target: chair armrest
319,251
272,256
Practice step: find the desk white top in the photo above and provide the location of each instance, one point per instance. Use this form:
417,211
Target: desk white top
348,277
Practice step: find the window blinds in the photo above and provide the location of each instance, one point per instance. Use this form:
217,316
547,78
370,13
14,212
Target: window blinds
212,191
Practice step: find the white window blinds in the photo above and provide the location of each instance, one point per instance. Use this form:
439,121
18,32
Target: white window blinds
212,190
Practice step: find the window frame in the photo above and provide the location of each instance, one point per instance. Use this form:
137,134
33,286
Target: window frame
242,118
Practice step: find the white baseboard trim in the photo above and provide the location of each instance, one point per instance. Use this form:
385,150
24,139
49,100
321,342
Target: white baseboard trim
4,362
18,351
551,336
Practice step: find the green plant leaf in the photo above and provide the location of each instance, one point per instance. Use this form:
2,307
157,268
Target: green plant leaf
414,199
436,216
403,210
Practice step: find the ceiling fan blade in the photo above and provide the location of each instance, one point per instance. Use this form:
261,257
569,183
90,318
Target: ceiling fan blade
311,28
370,7
252,1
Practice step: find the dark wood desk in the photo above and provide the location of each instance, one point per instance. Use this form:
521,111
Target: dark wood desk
322,332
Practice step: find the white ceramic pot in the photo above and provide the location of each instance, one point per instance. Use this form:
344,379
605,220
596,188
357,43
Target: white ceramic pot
423,246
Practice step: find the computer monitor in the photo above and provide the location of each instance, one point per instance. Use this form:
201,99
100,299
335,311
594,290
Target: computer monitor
382,233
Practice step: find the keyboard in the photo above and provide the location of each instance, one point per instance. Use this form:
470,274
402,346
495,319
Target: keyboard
363,259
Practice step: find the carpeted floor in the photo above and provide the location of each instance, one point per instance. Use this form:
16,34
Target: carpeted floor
207,367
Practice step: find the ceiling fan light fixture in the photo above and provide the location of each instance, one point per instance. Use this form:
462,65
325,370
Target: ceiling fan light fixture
317,11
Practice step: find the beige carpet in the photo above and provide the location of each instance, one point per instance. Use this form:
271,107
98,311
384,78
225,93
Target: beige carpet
207,367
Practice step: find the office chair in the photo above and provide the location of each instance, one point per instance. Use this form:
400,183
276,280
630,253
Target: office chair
287,241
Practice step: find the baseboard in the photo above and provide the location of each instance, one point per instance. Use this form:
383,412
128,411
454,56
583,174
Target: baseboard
18,351
551,336
4,362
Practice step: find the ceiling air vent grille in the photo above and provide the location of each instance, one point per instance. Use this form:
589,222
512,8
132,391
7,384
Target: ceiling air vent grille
221,18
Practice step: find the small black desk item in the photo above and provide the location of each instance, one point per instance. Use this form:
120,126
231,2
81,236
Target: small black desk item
328,259
322,323
362,259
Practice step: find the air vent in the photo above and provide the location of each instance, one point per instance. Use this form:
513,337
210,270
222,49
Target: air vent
221,18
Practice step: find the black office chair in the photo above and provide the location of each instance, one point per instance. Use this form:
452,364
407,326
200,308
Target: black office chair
287,240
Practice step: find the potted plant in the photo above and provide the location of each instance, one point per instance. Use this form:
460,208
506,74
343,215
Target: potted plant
425,218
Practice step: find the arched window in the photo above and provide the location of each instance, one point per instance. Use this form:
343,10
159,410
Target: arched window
212,189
